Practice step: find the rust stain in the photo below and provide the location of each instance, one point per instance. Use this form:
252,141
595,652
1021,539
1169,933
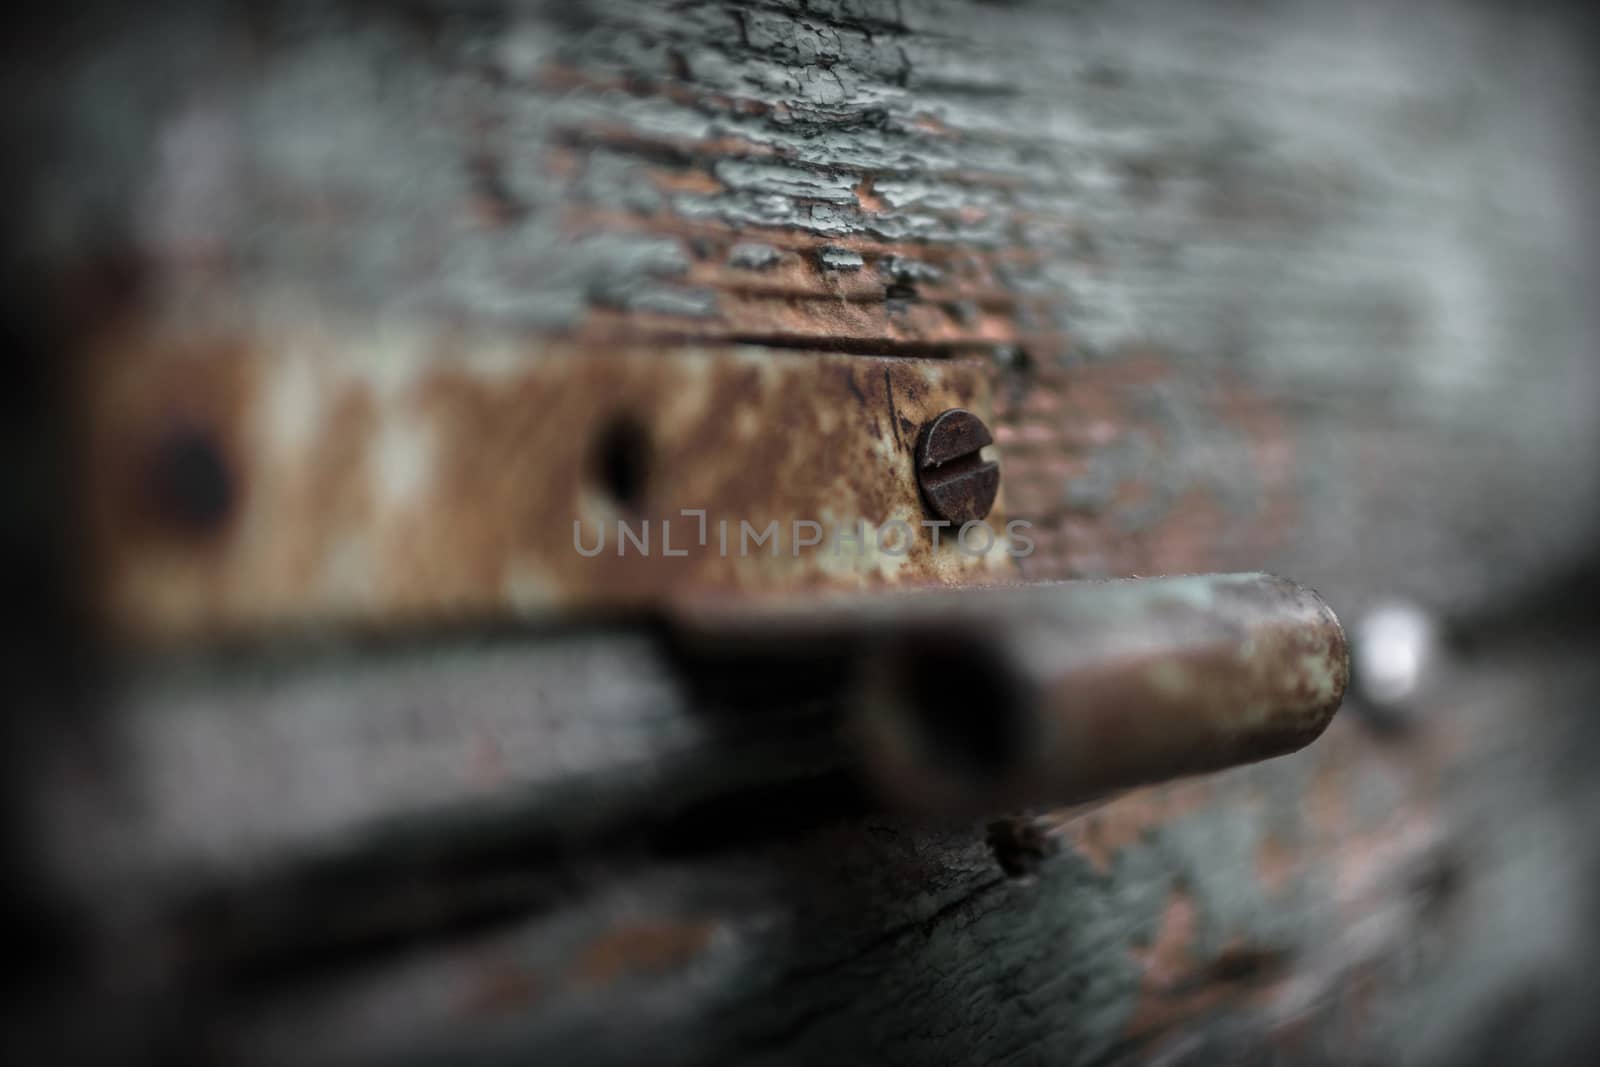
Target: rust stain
1167,964
641,949
1112,492
438,476
1371,871
1169,956
696,182
1102,833
1178,985
866,198
502,990
1275,862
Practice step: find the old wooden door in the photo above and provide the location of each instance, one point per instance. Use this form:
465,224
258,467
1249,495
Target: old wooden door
349,327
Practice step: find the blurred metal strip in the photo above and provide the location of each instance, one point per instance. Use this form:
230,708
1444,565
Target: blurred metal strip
242,479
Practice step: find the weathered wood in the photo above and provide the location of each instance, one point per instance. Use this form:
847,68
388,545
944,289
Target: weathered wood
1318,908
1288,286
1236,283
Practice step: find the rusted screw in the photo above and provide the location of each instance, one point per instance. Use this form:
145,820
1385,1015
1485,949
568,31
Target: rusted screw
958,485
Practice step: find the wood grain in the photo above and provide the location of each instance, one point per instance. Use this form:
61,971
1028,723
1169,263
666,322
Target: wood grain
1275,286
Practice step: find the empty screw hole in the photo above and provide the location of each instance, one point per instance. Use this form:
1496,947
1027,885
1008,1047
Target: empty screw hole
1020,845
622,462
190,479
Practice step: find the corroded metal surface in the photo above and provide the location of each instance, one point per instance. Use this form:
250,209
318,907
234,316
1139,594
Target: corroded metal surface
1075,691
957,482
1061,693
301,475
1270,285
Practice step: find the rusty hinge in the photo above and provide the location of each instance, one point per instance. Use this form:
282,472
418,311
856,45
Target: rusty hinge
256,477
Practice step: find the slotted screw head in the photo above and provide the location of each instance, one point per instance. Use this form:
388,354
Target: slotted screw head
957,484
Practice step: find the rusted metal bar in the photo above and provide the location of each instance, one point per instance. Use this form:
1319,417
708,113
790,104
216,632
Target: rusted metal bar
256,476
1067,692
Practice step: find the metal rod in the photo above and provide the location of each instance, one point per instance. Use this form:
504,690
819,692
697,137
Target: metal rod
1062,693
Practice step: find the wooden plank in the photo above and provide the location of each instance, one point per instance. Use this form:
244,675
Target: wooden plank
1271,286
